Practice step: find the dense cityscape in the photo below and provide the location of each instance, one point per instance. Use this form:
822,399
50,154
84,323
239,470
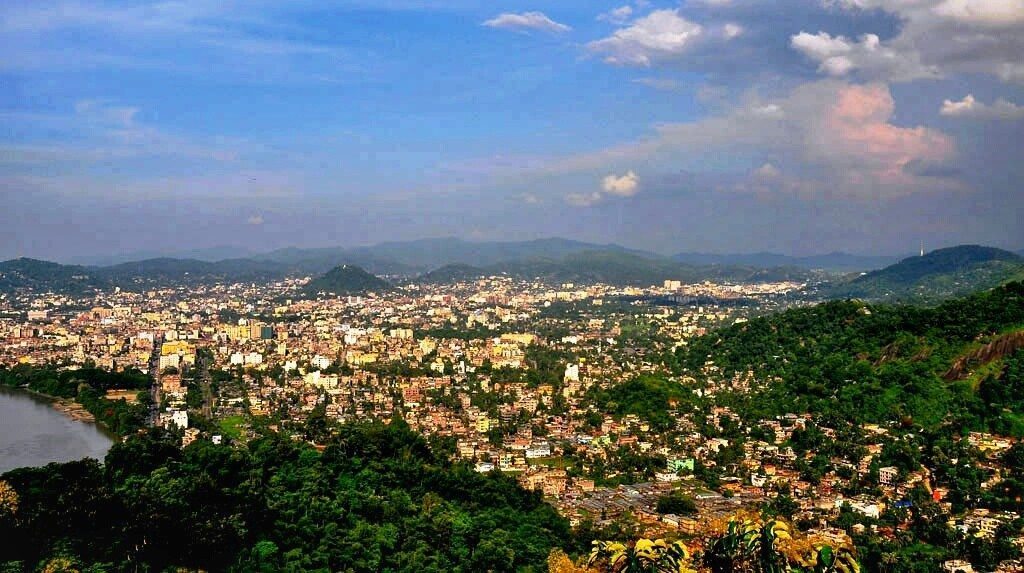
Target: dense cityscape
587,394
450,286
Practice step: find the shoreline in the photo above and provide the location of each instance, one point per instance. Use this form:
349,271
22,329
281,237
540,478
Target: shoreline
69,408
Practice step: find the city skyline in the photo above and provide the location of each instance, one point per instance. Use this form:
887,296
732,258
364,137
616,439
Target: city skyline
715,125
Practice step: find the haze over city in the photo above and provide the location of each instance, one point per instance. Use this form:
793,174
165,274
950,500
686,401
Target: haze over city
713,125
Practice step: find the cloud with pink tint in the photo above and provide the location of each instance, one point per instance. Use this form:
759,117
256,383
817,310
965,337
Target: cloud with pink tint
858,126
838,138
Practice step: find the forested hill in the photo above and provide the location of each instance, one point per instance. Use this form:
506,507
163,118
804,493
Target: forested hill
940,274
377,499
347,280
879,363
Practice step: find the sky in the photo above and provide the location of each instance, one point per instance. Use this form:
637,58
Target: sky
800,127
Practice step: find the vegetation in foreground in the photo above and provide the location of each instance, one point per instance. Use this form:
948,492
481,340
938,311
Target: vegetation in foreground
375,499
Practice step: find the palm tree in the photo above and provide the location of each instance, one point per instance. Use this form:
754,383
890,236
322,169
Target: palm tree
644,556
749,546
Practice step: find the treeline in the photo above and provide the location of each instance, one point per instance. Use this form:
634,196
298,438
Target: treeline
870,363
376,499
87,386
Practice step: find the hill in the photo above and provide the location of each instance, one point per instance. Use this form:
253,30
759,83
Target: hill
347,280
452,273
836,262
167,270
628,269
41,276
209,254
950,364
940,274
420,256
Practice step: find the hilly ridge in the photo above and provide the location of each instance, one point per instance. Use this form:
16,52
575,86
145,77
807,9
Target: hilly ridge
877,362
940,274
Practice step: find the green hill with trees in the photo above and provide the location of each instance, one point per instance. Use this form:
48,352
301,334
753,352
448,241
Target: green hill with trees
876,363
347,280
375,499
940,274
42,276
453,273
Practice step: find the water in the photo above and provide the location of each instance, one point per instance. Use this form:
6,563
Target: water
33,433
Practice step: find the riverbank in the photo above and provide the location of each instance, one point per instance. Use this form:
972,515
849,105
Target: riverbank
67,406
35,431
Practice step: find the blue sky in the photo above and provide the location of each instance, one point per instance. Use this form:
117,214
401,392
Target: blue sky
713,125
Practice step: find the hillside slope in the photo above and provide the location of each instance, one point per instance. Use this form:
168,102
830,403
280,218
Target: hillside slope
875,363
945,273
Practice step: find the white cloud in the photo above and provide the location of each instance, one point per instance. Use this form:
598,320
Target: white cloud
996,13
949,36
838,136
611,186
659,35
255,220
732,30
624,186
839,56
974,109
767,171
526,21
619,15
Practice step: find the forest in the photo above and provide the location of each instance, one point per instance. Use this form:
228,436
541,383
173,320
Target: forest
375,498
875,363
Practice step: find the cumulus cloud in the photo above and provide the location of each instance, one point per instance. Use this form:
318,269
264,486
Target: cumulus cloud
659,35
858,126
526,21
255,220
839,138
612,185
974,109
838,56
624,186
999,13
949,36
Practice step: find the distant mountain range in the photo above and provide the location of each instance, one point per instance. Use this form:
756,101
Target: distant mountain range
937,275
838,262
209,255
448,260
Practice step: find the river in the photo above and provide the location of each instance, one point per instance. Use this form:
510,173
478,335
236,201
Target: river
33,433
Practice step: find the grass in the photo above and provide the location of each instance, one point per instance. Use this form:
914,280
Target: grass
232,427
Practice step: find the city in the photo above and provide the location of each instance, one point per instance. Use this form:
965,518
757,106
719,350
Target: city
575,391
450,286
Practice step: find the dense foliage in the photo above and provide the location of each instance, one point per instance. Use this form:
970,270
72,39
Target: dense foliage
648,397
377,498
347,280
865,363
87,386
955,271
